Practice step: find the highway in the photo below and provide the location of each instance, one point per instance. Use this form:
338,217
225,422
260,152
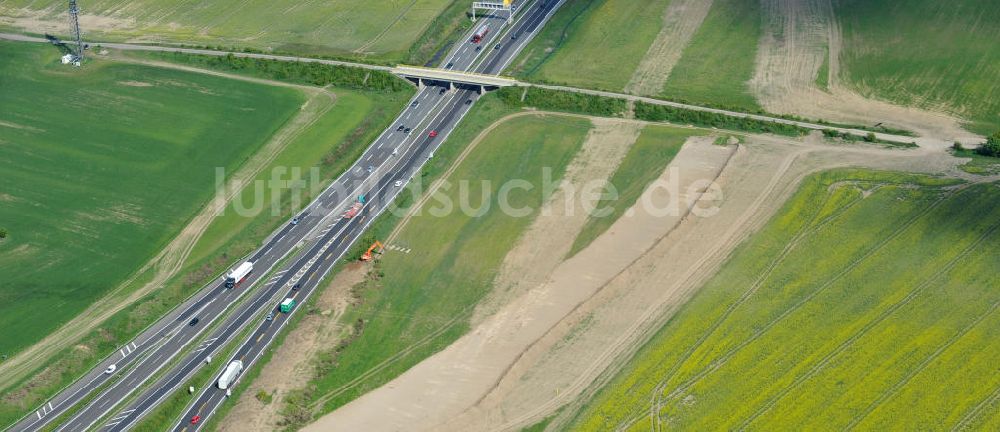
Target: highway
307,250
382,193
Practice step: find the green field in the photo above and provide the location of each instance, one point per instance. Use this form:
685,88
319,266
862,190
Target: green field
644,162
421,301
383,29
599,43
102,166
869,301
926,53
337,137
719,60
593,43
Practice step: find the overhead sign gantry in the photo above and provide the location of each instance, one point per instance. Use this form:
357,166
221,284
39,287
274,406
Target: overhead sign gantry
508,6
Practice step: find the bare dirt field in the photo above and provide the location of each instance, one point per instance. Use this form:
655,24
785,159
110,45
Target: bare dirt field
798,37
543,345
680,20
314,333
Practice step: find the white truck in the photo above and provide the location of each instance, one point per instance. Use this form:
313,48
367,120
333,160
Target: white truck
238,274
229,375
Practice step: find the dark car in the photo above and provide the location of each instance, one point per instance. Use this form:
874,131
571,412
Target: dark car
193,321
297,286
407,130
400,128
414,103
513,37
479,48
468,101
497,46
442,91
449,65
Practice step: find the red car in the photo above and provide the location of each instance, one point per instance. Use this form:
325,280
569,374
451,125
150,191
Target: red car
195,419
433,133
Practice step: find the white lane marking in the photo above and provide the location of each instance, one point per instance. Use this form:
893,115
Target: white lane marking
121,352
414,143
50,406
39,415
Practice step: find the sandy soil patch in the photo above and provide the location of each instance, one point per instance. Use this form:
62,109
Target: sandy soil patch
450,382
798,35
681,19
168,262
551,235
315,333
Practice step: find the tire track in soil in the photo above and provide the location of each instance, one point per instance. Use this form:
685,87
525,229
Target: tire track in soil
825,361
906,380
806,230
974,412
721,361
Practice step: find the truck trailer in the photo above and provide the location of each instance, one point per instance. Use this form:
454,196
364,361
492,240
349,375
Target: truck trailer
229,375
353,210
239,274
287,305
481,33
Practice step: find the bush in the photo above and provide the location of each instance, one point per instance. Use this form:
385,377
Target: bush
264,397
991,147
564,101
317,74
652,112
957,146
3,233
870,137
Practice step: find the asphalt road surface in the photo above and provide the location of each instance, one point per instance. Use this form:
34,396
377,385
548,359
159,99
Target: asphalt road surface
322,231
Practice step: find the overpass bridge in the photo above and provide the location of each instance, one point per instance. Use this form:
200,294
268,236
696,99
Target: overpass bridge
424,75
